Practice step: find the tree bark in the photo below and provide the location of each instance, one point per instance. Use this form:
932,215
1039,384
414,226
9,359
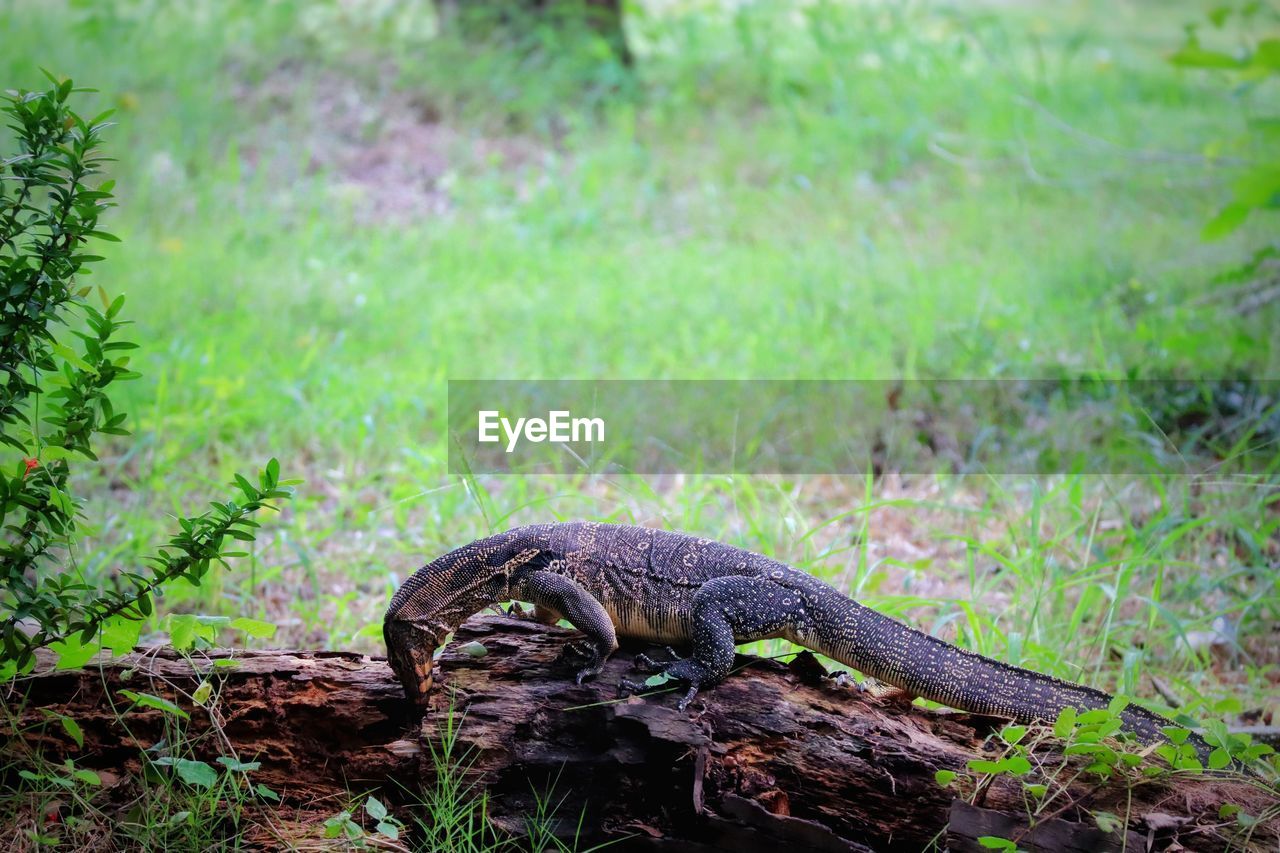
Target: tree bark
776,757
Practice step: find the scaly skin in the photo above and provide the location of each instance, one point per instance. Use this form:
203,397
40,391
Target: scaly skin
670,588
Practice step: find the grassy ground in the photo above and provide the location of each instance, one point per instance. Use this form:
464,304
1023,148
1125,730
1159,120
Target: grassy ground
326,213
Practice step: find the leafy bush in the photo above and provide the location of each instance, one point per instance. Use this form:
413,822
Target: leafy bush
54,380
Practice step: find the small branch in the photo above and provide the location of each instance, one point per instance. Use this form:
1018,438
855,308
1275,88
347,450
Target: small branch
1142,154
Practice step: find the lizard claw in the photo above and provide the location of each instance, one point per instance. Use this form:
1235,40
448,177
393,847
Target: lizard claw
584,657
841,678
646,664
576,652
684,700
627,687
585,673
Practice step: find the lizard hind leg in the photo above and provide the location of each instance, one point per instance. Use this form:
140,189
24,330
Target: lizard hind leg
726,611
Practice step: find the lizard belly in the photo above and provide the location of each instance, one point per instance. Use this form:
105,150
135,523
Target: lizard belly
655,627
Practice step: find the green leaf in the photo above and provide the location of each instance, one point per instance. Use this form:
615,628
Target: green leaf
657,680
182,630
1018,765
1065,723
1255,751
1092,718
87,776
375,808
73,730
72,654
72,356
1219,759
944,777
995,842
196,773
254,627
473,649
390,830
266,793
202,693
146,700
245,486
1227,220
1036,790
372,630
1192,55
1267,55
235,765
9,668
981,765
70,726
333,827
1117,704
1257,187
1107,822
120,634
1013,734
1188,762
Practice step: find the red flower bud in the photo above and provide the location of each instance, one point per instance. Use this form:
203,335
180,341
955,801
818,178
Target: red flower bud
31,465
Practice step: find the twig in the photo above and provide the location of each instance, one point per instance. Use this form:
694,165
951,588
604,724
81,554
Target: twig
1137,153
1257,300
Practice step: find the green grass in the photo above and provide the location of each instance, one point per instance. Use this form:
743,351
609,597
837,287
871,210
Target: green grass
881,190
740,211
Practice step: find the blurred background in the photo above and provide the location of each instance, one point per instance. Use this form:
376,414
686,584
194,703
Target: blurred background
330,208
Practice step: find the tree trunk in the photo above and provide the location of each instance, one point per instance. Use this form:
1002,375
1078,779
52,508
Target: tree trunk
479,19
777,757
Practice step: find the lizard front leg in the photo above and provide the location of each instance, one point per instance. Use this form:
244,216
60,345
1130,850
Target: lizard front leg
555,594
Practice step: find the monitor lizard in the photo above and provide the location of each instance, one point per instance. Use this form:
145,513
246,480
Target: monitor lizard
612,580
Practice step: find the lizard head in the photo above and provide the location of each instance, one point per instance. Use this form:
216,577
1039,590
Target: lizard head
416,630
411,648
431,604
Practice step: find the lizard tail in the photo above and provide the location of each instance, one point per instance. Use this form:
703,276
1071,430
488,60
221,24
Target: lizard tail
925,666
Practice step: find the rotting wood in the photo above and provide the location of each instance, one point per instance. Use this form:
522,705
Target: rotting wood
776,757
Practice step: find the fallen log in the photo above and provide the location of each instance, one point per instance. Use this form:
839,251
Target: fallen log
778,756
